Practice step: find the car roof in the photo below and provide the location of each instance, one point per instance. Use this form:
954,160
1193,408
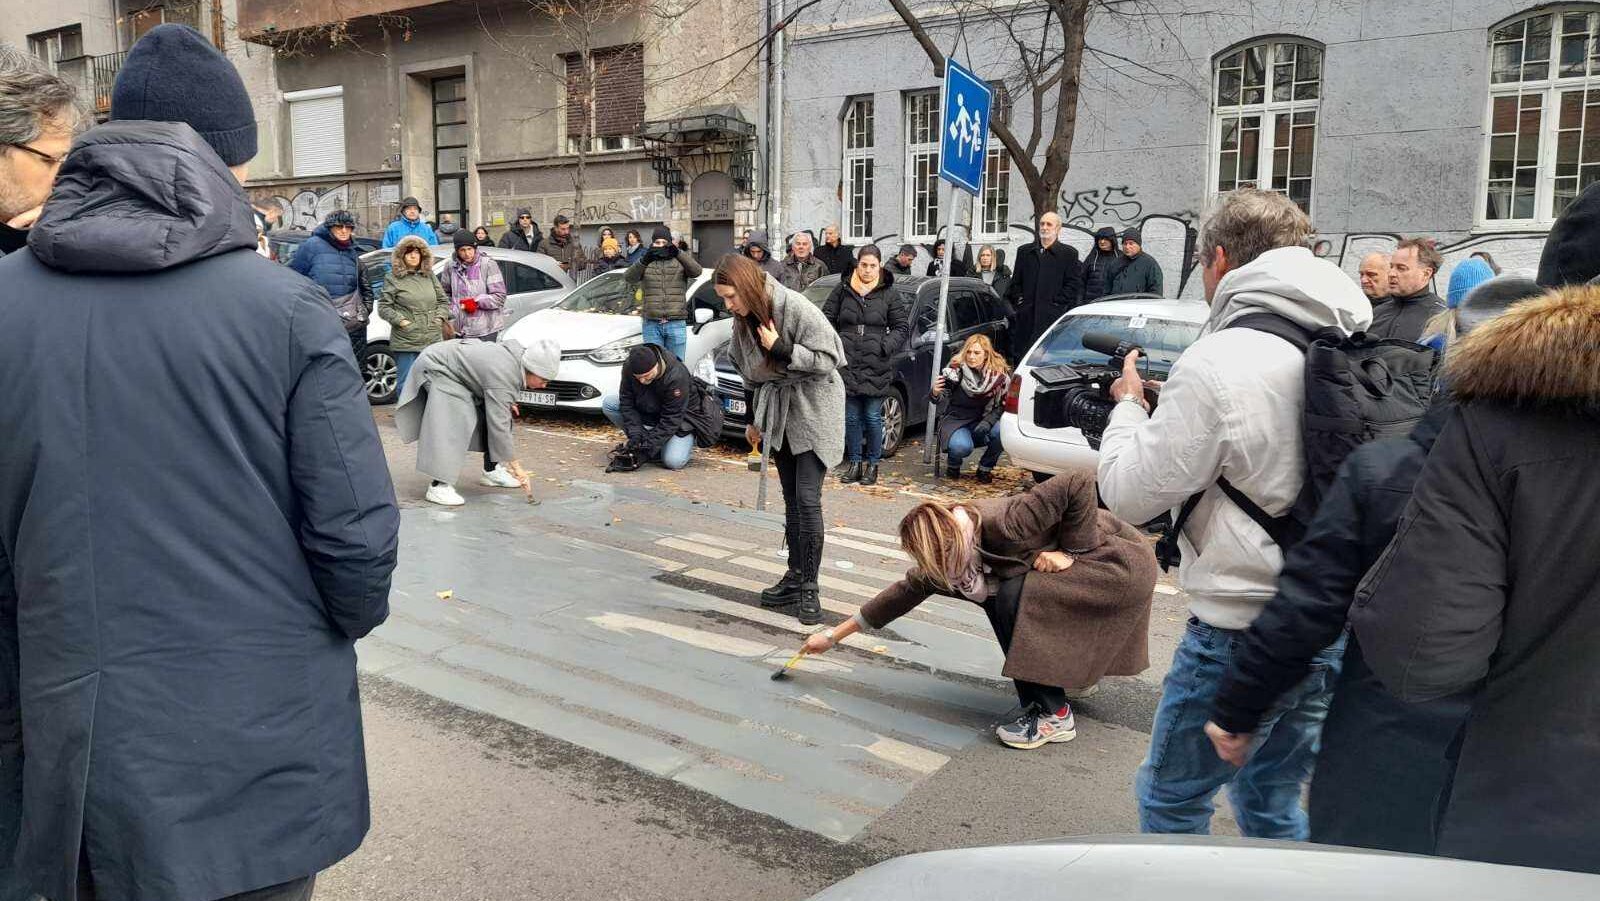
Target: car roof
1192,311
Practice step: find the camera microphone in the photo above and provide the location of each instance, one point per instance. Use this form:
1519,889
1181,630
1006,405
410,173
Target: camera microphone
1110,345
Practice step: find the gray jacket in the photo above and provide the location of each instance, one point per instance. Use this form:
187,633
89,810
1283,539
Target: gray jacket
664,283
800,403
457,399
798,275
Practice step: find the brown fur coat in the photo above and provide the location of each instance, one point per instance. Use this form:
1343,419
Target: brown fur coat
1076,626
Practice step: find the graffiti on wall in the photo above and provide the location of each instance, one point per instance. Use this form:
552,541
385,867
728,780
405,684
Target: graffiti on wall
1168,238
638,208
1084,208
307,209
1511,251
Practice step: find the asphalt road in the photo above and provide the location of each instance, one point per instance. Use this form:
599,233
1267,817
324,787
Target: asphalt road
572,699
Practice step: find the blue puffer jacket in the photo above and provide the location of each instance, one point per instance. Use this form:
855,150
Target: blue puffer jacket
325,263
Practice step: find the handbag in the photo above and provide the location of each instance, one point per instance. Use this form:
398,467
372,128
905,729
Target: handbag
352,312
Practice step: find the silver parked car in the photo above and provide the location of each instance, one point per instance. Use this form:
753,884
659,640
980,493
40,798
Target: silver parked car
533,281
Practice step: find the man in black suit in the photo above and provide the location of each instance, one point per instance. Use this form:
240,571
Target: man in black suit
1045,284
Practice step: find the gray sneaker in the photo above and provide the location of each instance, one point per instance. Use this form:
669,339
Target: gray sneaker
1036,727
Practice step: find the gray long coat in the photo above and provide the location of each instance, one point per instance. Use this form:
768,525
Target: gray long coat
457,399
799,406
196,524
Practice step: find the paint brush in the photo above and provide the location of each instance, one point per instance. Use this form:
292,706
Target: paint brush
783,671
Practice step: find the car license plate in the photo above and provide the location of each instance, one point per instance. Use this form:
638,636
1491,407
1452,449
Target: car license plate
736,407
537,398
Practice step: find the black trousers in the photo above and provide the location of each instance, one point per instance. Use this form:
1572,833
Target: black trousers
1002,610
801,477
294,890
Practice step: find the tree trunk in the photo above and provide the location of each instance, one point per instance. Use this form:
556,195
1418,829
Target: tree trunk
1046,193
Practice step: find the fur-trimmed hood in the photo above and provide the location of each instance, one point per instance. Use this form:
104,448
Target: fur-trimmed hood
1542,353
406,243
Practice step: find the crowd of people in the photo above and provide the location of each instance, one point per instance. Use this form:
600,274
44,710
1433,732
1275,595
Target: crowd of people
1415,645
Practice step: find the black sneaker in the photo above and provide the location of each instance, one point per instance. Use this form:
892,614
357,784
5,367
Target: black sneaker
953,475
870,476
786,592
985,476
851,473
809,613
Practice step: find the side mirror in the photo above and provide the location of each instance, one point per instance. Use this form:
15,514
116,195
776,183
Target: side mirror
703,315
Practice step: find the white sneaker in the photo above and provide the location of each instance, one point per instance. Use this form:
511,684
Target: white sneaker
444,496
499,477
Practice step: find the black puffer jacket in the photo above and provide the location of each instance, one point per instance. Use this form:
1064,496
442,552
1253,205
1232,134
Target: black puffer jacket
1098,265
517,239
1383,762
874,330
671,405
1492,585
185,696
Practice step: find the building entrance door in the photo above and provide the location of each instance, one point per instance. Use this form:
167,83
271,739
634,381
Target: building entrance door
450,150
711,216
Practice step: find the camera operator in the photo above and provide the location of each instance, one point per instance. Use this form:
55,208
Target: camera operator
1231,408
662,410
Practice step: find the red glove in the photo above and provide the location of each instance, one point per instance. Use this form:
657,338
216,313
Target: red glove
470,305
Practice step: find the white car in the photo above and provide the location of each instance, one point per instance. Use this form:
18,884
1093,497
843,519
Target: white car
533,281
597,325
1165,328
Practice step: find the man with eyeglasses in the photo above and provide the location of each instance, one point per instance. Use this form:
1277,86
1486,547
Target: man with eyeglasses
37,120
523,234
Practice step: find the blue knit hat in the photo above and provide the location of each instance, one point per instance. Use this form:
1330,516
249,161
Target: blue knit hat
1468,274
174,75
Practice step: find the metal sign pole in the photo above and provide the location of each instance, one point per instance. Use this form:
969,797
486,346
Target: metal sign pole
930,439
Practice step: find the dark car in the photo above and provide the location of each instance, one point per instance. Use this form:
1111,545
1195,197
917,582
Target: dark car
974,309
283,244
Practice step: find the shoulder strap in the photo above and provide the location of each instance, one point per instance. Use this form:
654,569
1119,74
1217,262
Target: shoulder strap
1276,528
1273,324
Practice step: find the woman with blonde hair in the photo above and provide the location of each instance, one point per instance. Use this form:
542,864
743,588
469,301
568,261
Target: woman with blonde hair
1067,588
971,393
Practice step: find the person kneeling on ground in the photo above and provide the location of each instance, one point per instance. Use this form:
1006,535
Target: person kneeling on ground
1067,587
662,409
971,393
461,396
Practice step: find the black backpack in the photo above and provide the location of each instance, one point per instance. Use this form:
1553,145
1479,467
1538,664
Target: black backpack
1357,389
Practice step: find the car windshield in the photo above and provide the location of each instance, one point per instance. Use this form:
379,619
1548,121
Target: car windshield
603,295
1164,339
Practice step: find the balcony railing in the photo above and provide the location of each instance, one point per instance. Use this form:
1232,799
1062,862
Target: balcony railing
102,75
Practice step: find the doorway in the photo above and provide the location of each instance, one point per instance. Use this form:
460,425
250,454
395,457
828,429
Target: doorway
712,239
711,216
450,139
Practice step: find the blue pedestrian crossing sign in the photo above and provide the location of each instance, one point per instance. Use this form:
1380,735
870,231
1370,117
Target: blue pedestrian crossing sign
964,139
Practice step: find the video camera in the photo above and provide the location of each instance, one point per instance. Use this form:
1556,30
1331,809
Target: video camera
1080,396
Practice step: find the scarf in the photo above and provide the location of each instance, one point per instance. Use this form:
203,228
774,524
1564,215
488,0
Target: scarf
861,288
976,382
661,253
968,575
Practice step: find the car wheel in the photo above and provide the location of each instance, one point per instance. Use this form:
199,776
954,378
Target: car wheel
894,422
381,374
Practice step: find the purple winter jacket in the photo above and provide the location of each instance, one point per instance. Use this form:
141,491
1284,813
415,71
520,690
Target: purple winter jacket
480,282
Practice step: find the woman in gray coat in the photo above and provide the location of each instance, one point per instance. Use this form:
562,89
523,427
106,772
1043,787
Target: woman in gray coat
463,396
789,356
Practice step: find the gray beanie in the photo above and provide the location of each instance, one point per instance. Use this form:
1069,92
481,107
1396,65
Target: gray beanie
542,358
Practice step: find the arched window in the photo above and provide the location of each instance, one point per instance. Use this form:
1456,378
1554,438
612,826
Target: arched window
1543,131
1264,122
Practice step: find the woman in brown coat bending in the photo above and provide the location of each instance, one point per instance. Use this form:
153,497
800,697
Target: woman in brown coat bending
1066,586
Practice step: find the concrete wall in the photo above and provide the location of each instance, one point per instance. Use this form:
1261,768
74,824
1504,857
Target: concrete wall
1399,140
20,18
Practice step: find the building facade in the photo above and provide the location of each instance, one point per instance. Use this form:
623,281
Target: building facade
481,109
1465,121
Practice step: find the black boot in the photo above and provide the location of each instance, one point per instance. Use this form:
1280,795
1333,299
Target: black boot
787,591
809,609
870,476
985,476
850,473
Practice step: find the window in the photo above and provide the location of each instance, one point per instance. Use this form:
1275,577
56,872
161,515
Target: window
616,75
922,165
522,279
316,131
858,170
994,201
451,135
965,314
55,46
1264,126
1543,128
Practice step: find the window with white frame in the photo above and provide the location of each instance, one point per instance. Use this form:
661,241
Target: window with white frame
922,166
994,201
1543,128
316,130
858,170
1264,122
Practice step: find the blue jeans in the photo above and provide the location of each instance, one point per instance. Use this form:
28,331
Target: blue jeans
1180,776
674,454
402,363
672,335
863,413
962,443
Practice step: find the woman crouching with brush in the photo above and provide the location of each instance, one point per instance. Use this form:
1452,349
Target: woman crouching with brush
1066,586
789,356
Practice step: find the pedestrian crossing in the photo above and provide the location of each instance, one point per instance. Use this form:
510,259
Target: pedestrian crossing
644,643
